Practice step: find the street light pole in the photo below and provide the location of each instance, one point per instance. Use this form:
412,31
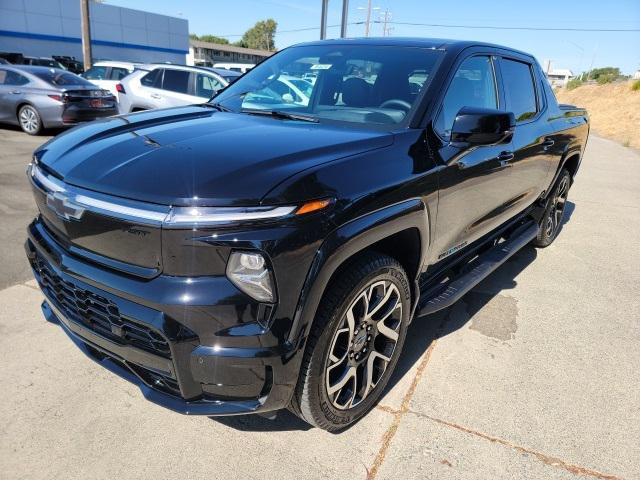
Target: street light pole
86,33
345,14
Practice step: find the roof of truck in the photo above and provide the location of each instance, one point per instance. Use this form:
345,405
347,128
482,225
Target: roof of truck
435,43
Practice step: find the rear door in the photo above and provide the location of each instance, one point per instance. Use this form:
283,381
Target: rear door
474,197
13,89
532,145
175,88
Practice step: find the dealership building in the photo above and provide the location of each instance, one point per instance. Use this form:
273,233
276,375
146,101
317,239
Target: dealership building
207,54
43,28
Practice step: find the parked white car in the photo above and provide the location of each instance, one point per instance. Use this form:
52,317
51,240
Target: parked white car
165,85
107,74
235,67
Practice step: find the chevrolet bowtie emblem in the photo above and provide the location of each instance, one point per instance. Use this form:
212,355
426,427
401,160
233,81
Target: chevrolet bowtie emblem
63,207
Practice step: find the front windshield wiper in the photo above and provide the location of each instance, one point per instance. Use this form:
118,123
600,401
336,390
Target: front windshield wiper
280,114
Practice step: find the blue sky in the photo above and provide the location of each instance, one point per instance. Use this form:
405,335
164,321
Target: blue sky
574,50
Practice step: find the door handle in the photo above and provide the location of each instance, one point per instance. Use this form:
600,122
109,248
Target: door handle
505,158
156,96
548,143
16,92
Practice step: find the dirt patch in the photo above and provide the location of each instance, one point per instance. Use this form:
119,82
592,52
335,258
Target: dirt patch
614,110
493,316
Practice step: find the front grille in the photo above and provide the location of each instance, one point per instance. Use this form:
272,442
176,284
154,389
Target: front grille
98,313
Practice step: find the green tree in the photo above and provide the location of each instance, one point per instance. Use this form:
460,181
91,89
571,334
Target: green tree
261,36
608,74
209,38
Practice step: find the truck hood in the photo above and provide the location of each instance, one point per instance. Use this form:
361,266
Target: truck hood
197,155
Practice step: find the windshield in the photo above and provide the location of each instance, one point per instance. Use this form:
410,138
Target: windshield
368,84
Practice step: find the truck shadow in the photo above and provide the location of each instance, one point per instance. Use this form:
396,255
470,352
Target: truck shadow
422,332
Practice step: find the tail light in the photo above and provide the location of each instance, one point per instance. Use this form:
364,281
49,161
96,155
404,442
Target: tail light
58,98
120,88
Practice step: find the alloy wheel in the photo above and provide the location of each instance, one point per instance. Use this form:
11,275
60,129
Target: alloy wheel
363,345
29,120
556,212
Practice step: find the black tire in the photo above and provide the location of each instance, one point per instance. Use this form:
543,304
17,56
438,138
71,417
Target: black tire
29,120
551,222
369,338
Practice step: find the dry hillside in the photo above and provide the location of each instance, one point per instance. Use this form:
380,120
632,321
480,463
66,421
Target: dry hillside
614,110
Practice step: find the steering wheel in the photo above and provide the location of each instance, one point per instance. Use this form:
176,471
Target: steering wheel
396,103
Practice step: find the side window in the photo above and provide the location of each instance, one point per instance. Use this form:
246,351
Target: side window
473,85
118,73
96,73
207,86
152,79
7,77
176,81
519,89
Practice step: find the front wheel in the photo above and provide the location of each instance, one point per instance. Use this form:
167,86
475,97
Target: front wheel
29,120
554,213
354,343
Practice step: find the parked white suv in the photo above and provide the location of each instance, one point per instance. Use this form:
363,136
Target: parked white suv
164,85
107,74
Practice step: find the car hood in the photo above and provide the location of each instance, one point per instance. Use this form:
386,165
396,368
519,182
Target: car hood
197,155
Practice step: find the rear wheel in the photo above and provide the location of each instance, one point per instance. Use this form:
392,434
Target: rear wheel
29,120
354,343
554,213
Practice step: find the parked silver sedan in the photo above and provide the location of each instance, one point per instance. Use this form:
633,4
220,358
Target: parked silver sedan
40,97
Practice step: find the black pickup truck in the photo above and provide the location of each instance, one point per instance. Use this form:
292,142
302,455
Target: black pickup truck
269,248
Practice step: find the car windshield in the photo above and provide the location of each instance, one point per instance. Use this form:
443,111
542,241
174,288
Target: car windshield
58,78
365,84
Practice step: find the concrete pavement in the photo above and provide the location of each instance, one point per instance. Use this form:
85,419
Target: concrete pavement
534,374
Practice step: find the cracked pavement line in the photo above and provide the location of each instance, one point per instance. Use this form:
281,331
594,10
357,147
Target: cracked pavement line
404,408
546,459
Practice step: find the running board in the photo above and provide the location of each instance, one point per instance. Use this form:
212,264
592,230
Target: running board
485,263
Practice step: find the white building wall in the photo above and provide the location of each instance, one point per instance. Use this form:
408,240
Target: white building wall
52,27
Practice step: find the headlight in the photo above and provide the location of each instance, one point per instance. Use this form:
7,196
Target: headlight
249,272
202,216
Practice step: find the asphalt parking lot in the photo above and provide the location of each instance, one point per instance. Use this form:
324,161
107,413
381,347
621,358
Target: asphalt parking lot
534,374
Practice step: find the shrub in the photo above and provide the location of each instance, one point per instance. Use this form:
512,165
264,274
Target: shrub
574,83
606,78
635,85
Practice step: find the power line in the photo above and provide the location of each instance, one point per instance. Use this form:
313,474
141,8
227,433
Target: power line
553,29
444,25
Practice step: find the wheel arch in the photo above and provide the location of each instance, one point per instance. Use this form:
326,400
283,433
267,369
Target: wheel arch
400,231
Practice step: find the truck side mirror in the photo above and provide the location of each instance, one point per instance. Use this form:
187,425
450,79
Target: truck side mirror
482,126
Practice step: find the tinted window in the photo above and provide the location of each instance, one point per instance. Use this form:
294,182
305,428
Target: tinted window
118,73
152,79
473,86
519,89
56,77
207,86
176,81
8,77
96,73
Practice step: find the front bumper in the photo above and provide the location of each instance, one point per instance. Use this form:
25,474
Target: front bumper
169,351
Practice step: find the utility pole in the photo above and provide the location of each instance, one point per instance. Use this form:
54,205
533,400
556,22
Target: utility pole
323,19
367,24
345,14
386,16
86,33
